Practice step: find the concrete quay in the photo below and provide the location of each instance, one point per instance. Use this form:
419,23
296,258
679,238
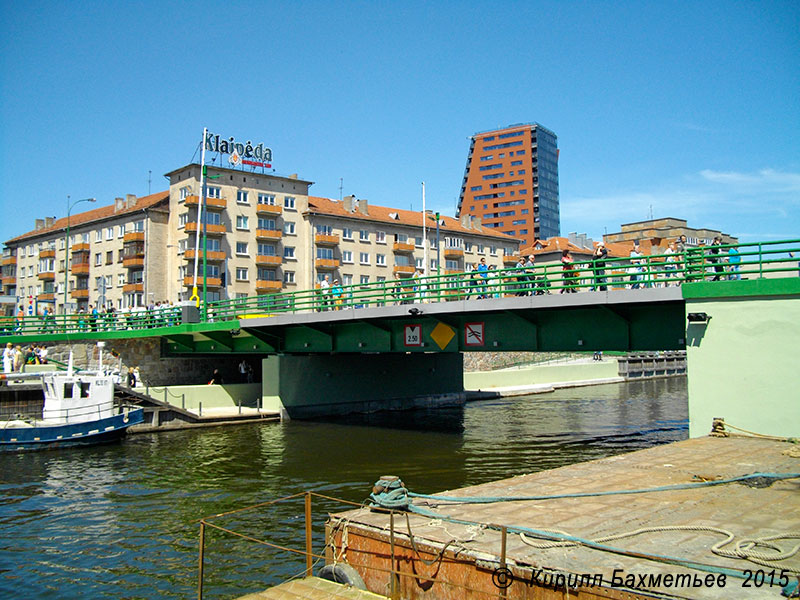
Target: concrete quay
463,548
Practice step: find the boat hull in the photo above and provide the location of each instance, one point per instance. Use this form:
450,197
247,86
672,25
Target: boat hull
101,431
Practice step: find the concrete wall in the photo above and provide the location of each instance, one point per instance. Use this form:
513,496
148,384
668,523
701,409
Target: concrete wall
744,365
211,396
316,385
541,375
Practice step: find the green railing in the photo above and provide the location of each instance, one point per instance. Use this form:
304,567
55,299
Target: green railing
710,263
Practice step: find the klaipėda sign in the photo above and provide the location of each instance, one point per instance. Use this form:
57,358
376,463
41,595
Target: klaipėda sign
239,153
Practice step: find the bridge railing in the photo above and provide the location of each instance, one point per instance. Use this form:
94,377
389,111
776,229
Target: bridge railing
706,263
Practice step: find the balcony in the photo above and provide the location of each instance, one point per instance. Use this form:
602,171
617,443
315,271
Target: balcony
82,247
404,270
270,210
9,280
269,234
130,288
268,261
403,248
47,275
9,260
211,203
454,253
326,239
80,268
510,260
46,297
211,282
49,253
211,255
80,294
211,229
326,264
133,236
133,262
268,285
453,271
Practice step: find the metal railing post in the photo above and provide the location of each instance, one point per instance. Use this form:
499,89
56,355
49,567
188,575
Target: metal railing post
183,401
200,409
503,540
165,395
200,561
309,558
392,580
760,261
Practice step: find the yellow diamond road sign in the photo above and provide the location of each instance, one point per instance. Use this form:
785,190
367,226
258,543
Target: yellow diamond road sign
442,334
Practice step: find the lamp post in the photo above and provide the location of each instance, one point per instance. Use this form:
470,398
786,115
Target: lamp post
66,245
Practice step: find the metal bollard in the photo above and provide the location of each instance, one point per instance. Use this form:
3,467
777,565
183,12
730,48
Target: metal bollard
240,407
200,408
183,401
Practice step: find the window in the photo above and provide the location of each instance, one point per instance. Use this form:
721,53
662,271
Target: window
365,279
347,279
267,275
138,226
288,252
182,246
481,249
213,191
363,235
452,242
401,238
61,244
120,230
434,264
288,202
380,237
241,274
518,222
380,260
364,258
183,219
324,230
516,163
109,257
212,218
266,199
264,223
241,248
288,228
325,253
476,188
451,265
186,191
98,259
212,245
120,255
288,277
347,233
418,263
493,250
110,233
347,256
467,246
241,197
267,250
98,235
242,221
120,279
487,157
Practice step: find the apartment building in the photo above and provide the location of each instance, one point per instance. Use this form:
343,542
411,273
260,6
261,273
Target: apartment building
256,234
660,232
511,181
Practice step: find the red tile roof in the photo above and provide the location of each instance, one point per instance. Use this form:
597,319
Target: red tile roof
383,214
96,214
557,244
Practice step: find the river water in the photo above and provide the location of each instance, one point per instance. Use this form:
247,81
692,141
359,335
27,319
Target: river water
120,521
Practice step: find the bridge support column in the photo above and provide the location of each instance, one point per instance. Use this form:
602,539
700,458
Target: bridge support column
333,384
743,355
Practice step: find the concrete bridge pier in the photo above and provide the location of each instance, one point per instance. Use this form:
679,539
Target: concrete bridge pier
307,386
743,355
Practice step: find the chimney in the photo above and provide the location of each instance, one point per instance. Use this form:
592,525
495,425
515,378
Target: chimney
130,200
582,240
293,176
39,224
572,237
119,204
48,221
349,203
476,222
363,206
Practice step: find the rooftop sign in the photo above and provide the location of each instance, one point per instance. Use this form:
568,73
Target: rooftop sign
240,154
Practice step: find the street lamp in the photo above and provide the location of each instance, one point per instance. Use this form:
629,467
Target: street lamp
66,245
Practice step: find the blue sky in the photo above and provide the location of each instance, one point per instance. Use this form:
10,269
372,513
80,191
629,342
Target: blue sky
684,109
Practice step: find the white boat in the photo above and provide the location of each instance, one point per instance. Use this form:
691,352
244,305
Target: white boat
79,409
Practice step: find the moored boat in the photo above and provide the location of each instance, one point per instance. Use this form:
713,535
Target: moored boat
79,410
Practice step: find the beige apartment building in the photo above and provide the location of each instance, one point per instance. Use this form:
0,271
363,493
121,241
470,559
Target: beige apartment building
264,234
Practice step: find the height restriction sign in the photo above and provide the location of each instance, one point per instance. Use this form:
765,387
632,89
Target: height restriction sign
473,334
413,335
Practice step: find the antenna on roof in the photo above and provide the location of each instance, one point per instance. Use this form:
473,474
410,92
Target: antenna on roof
341,186
149,173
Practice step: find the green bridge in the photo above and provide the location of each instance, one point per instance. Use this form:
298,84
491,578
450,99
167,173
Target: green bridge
736,314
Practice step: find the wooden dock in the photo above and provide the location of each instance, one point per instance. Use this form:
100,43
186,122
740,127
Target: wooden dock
312,588
458,553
